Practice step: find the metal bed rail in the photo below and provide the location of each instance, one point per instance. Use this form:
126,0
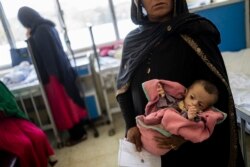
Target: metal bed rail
30,92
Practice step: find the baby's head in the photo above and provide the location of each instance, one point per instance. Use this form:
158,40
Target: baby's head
201,94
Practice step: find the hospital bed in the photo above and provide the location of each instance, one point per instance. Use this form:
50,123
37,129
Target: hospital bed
238,68
105,79
32,99
23,83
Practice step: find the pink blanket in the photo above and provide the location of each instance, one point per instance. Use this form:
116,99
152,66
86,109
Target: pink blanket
168,121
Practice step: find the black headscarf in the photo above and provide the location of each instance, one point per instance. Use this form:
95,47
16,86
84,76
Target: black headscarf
140,41
137,16
30,18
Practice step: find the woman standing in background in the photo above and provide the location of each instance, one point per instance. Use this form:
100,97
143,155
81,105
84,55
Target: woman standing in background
57,75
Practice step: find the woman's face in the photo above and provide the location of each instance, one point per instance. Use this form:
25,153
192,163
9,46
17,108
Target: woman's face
28,32
158,10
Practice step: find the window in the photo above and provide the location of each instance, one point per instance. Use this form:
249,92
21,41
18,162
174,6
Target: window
78,17
46,8
199,3
124,23
4,48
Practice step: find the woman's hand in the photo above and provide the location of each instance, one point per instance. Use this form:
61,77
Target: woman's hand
134,136
172,142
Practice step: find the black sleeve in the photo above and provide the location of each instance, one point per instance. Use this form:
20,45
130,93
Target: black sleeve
127,107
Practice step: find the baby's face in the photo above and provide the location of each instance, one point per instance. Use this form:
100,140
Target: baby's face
198,97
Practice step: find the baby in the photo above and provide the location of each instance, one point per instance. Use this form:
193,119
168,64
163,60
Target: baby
199,96
173,109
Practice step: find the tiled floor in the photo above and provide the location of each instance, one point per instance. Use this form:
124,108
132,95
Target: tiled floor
101,151
94,152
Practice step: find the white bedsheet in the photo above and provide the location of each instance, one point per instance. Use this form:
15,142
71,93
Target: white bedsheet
237,64
240,85
21,75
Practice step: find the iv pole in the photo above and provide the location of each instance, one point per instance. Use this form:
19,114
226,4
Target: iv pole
67,41
6,28
65,32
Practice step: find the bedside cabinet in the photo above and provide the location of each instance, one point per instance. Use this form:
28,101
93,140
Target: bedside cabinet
87,84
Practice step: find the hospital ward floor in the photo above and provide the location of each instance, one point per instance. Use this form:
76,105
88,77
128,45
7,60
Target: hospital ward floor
101,151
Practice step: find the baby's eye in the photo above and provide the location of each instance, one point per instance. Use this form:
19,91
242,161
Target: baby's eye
200,105
191,97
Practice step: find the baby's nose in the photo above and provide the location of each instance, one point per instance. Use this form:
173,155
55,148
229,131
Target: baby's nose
195,103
